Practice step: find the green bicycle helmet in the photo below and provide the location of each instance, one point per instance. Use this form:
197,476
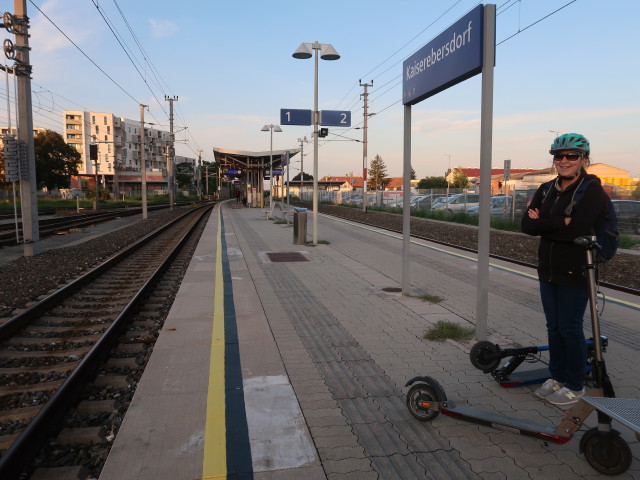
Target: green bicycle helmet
570,141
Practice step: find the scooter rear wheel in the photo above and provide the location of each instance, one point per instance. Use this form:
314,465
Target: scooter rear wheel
485,356
422,393
607,452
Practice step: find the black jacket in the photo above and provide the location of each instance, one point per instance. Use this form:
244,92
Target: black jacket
560,261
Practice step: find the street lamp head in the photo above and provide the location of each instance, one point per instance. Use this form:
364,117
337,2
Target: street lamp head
328,52
303,52
275,128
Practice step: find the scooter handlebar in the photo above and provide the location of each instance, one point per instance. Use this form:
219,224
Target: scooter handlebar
589,241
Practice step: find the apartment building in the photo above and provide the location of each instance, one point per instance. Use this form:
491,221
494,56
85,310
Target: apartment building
119,155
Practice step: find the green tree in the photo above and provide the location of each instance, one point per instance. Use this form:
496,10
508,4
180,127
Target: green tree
184,175
413,175
432,182
306,177
377,173
56,161
460,180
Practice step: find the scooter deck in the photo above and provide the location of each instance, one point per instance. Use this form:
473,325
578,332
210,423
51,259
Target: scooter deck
502,422
525,377
624,410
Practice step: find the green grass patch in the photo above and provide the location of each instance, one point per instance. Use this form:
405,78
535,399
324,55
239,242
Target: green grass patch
628,241
47,202
431,298
320,242
444,330
280,221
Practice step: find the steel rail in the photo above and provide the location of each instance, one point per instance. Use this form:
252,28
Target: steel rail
46,422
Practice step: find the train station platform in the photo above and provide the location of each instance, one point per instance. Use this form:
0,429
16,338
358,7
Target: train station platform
283,361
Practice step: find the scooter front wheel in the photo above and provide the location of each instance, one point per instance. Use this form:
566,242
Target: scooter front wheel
420,396
485,356
607,452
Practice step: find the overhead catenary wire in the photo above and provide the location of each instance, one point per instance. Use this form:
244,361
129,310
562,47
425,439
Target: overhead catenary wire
377,94
84,54
398,78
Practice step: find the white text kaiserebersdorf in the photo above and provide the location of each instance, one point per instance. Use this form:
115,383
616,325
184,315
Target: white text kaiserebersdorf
458,41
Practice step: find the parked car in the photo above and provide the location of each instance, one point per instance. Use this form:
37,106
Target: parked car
628,213
500,207
441,201
459,203
426,201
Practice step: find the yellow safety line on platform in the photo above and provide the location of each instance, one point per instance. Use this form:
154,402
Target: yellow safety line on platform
215,441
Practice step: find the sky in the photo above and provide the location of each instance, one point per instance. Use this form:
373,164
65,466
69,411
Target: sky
561,65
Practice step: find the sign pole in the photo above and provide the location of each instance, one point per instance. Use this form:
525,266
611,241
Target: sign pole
486,135
406,204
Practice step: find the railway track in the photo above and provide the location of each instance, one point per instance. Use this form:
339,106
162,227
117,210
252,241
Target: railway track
395,226
88,341
53,226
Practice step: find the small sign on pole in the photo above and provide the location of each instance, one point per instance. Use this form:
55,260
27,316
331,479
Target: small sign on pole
292,116
335,118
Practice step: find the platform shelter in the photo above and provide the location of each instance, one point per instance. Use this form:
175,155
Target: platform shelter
248,171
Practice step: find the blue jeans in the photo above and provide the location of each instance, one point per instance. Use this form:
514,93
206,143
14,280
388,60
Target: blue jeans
564,309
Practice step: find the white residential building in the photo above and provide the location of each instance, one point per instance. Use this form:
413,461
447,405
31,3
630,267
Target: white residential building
119,156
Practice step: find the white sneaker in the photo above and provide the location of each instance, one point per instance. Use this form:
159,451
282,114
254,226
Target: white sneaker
548,387
564,396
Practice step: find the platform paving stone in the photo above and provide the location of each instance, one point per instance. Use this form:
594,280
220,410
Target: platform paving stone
398,466
364,344
342,452
349,465
359,475
440,466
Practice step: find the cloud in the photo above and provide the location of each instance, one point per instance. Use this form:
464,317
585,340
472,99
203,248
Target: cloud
162,28
446,121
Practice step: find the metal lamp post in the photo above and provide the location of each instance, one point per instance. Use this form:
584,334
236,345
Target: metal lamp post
557,132
448,173
327,52
271,128
302,142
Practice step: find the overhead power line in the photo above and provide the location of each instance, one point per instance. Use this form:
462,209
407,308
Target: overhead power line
83,53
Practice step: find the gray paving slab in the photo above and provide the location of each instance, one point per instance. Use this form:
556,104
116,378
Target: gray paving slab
365,343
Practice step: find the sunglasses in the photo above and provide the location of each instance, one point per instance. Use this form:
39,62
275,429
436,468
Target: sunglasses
569,156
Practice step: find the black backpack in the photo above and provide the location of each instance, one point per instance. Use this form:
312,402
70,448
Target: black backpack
606,227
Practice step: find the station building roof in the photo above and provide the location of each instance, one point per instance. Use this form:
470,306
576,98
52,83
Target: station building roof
245,160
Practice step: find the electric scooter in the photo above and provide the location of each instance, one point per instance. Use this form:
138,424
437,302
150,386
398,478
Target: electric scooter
603,447
486,356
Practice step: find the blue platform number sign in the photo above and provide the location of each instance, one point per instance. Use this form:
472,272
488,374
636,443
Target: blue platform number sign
335,118
452,57
292,116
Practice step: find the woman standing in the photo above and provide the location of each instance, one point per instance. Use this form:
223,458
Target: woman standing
558,220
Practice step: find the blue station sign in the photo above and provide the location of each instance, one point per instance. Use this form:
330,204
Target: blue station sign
291,116
335,118
452,57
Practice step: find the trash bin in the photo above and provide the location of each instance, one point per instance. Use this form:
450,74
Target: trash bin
300,226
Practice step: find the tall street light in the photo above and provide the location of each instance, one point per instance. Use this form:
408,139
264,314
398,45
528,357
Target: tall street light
271,128
448,172
557,132
302,142
327,52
